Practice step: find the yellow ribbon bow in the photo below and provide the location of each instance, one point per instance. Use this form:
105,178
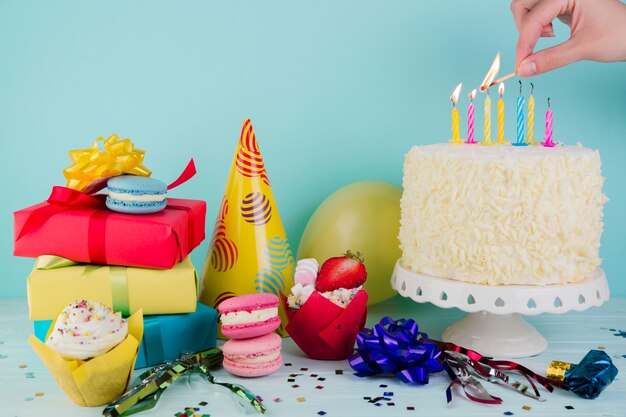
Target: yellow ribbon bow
116,157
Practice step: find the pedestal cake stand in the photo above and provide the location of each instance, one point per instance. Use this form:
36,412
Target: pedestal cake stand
494,325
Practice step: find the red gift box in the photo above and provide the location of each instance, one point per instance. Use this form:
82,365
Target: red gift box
78,226
323,330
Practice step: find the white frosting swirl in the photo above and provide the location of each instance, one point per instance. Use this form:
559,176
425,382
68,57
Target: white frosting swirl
86,329
299,294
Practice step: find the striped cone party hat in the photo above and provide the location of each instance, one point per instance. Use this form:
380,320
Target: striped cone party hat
249,250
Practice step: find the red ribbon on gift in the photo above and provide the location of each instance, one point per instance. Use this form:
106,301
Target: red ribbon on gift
63,198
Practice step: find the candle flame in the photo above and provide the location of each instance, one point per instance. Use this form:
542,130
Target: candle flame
501,89
491,74
455,94
472,95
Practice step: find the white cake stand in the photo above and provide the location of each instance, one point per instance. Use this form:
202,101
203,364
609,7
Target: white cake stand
495,326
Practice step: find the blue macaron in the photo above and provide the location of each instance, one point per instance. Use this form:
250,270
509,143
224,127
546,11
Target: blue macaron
136,195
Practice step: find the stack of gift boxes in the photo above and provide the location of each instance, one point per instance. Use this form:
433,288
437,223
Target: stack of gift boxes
126,261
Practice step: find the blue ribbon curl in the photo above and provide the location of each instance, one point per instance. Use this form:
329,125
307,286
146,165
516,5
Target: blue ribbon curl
396,347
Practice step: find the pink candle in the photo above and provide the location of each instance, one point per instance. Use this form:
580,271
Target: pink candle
547,139
470,118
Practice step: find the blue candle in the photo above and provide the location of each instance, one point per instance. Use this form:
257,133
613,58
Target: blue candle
521,102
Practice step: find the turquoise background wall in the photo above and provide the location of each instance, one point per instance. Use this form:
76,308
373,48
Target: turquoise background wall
337,91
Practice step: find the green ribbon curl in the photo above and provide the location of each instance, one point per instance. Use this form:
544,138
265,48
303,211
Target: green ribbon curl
152,383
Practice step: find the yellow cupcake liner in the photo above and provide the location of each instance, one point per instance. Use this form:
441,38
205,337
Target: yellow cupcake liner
100,380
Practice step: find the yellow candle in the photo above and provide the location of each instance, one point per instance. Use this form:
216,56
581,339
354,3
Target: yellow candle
501,140
456,127
487,126
456,119
531,120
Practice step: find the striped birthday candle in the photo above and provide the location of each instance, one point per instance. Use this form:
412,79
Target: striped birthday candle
521,102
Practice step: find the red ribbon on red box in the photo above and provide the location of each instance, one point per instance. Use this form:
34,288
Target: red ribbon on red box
63,198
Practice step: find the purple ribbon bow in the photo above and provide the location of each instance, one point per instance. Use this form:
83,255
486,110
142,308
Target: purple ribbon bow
396,347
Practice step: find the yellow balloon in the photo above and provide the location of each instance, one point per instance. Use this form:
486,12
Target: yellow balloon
364,217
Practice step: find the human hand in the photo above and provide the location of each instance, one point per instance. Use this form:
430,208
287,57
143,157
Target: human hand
597,32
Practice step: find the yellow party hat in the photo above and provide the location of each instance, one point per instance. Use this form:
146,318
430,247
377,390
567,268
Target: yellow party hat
249,251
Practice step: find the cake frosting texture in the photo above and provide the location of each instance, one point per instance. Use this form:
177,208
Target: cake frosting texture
502,214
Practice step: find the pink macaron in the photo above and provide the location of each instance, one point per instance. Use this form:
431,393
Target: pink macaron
257,356
249,315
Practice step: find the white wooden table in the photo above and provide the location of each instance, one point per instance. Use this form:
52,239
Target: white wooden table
317,388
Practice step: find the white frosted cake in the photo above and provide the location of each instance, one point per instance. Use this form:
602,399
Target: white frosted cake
502,215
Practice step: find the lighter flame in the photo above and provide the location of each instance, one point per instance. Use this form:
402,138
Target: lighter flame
472,95
501,89
455,94
491,74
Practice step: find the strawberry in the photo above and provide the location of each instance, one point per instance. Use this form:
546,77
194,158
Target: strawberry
345,271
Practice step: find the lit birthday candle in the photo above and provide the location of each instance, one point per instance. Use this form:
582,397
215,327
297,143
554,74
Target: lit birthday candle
456,119
501,140
470,118
520,118
491,74
531,117
547,139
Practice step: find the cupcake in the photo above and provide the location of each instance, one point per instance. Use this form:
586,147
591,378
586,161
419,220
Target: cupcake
90,351
327,308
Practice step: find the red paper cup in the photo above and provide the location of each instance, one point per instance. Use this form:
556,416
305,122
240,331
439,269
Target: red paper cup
323,330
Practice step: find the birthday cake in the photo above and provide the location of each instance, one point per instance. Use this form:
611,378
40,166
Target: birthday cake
502,215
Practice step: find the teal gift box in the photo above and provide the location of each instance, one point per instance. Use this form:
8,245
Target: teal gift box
166,336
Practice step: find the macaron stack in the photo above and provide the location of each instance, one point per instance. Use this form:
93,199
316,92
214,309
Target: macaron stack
249,321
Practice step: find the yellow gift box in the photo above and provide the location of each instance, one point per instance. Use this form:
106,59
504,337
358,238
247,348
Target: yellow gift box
55,282
99,380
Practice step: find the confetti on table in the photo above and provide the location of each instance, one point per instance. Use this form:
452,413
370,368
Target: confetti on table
29,374
203,403
569,407
319,387
294,375
321,379
601,347
28,399
288,364
527,408
321,413
301,399
508,413
338,372
278,400
291,380
295,386
22,366
259,398
313,375
39,394
388,394
304,369
383,385
367,398
391,404
378,405
410,408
